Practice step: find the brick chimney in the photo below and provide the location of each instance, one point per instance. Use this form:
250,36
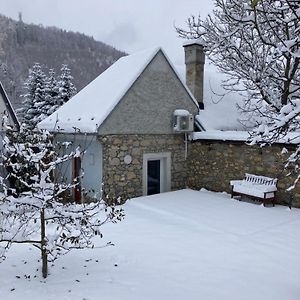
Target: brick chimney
194,61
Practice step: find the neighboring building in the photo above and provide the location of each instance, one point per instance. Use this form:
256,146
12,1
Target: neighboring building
8,119
7,113
125,121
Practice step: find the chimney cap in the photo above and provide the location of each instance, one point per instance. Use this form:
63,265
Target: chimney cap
191,42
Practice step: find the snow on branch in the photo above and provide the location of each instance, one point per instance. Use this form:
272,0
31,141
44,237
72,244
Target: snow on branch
33,205
257,45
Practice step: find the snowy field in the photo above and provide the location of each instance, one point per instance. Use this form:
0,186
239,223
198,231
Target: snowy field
180,245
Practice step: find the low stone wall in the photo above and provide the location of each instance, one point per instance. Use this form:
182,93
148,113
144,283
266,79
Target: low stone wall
209,164
125,180
212,164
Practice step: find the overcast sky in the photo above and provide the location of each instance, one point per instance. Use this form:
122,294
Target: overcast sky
129,25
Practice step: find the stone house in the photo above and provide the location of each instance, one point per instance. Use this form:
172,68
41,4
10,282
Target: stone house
124,120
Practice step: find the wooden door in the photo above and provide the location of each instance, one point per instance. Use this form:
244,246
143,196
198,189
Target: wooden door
76,178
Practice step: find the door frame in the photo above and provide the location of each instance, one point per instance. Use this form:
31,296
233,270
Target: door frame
165,169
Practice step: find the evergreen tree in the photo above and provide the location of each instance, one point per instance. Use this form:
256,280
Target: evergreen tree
52,94
66,87
45,94
34,98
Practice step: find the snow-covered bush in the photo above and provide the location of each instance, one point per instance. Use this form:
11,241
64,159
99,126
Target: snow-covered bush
32,208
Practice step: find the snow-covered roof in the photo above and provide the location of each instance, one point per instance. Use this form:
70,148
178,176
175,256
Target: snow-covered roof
220,112
241,136
221,135
214,118
88,109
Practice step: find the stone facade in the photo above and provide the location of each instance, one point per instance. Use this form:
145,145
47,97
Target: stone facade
149,104
212,164
125,180
209,164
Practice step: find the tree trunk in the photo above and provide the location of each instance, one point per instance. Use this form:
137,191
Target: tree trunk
43,245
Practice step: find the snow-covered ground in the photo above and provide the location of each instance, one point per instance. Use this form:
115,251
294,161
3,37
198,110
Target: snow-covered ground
179,245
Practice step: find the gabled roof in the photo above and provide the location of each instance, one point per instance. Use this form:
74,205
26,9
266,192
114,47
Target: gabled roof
88,109
9,108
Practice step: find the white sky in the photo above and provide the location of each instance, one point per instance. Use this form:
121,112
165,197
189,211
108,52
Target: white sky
129,25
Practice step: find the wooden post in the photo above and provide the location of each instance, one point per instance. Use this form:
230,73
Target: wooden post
43,245
76,178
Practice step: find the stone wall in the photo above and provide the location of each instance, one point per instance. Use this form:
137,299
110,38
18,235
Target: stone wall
212,164
209,164
125,180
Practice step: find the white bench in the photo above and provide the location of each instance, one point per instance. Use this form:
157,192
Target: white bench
257,187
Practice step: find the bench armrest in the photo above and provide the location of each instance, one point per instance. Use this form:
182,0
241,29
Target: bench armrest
271,192
235,182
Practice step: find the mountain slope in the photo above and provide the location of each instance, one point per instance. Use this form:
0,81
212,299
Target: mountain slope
21,45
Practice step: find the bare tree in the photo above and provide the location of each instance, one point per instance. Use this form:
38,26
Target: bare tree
257,45
32,209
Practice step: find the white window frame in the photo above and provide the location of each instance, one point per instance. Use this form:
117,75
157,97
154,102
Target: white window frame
165,170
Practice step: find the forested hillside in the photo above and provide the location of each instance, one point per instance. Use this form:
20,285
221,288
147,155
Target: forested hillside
21,45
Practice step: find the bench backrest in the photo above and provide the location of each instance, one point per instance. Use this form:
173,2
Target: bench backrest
263,180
